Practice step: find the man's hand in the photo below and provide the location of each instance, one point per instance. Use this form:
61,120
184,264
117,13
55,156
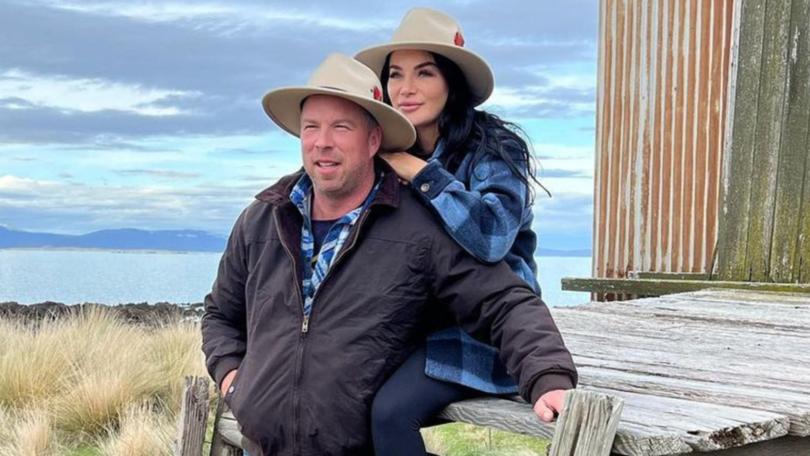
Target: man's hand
404,164
226,382
548,404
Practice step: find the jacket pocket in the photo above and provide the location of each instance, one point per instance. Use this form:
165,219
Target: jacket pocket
233,388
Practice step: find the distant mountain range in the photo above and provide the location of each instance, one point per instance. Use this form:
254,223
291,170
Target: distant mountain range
121,239
135,239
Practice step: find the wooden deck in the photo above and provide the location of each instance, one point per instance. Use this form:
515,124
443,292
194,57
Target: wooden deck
699,371
721,372
713,371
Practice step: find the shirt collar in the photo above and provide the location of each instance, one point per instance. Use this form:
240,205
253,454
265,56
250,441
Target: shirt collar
439,150
301,196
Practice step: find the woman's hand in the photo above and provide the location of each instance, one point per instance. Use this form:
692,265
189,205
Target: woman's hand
404,164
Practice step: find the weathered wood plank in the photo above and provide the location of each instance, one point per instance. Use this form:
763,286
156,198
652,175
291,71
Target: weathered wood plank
658,287
785,446
701,346
731,366
700,426
515,415
649,425
227,439
193,417
742,296
587,424
697,391
767,141
756,312
736,184
801,263
793,151
508,415
668,275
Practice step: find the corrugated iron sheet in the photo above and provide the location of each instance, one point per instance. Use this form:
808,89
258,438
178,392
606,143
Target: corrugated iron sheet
661,113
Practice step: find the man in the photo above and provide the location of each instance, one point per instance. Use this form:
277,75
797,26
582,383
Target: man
333,275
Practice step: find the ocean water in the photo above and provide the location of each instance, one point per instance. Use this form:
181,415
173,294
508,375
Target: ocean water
115,277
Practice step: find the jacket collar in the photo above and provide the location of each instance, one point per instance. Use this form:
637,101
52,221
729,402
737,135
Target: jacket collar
388,195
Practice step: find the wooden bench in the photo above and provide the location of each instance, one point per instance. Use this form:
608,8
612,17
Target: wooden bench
587,425
717,372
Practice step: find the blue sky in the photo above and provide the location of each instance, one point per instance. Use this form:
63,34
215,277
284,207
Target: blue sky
147,114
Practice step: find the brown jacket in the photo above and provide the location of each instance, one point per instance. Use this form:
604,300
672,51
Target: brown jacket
307,389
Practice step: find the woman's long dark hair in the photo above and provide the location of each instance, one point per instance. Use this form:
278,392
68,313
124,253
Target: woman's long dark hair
468,131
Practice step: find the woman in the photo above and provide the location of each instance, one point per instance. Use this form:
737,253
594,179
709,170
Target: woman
474,172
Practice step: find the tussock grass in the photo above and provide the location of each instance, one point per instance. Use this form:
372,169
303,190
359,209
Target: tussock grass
175,352
27,433
141,432
30,365
92,380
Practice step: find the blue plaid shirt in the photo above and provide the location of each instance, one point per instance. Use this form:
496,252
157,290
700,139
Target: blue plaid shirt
484,207
316,267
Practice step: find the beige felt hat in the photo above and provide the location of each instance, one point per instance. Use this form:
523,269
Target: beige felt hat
341,76
430,30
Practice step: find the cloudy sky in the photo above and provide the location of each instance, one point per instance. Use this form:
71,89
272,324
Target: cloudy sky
147,114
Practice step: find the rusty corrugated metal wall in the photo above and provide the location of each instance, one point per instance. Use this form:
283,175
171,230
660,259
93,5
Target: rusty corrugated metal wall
661,112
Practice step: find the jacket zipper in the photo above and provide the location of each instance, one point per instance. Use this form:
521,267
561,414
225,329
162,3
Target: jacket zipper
305,321
299,353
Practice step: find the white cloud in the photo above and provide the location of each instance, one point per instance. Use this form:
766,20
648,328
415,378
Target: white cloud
583,82
14,183
223,18
525,41
88,95
507,98
82,208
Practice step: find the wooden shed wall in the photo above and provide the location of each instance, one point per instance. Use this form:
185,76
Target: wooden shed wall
765,216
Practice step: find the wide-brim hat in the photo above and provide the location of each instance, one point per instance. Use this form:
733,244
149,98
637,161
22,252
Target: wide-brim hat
433,31
341,76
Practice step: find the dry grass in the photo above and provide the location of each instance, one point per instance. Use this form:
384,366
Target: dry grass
27,433
141,432
30,365
73,382
175,352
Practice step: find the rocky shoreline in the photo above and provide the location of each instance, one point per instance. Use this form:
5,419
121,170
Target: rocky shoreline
136,313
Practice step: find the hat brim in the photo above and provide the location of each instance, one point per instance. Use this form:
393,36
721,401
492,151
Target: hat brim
283,105
474,67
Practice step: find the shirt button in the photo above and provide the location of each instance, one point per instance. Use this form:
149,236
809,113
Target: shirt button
424,187
230,390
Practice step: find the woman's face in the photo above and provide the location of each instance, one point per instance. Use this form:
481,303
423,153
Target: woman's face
416,87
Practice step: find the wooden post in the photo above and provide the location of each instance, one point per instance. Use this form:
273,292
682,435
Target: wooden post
219,447
193,417
587,424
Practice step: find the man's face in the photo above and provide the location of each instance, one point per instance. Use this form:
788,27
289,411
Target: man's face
337,146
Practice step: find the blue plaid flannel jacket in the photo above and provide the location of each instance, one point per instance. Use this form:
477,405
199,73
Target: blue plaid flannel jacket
485,209
315,268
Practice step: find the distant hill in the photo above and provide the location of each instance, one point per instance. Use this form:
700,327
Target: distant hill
135,239
125,239
563,253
